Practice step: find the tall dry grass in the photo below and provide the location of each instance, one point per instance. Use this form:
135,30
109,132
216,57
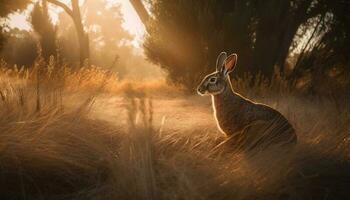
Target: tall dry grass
53,151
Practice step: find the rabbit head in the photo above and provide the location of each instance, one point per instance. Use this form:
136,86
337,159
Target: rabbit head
216,82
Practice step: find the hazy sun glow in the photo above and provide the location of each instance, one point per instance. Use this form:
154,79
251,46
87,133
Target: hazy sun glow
132,23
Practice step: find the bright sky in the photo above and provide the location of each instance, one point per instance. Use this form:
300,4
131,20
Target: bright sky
132,23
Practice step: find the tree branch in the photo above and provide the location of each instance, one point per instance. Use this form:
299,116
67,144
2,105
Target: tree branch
141,11
63,6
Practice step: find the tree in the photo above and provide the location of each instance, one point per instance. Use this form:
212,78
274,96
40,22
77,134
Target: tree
185,36
141,11
111,46
325,55
104,22
7,7
2,37
83,37
10,6
42,25
19,48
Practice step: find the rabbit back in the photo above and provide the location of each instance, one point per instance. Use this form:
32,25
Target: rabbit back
257,123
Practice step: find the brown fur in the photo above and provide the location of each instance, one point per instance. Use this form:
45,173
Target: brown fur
239,117
247,123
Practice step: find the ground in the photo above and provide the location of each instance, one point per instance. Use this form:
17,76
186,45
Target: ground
172,114
124,144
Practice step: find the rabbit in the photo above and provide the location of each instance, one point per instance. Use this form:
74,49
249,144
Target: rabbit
248,124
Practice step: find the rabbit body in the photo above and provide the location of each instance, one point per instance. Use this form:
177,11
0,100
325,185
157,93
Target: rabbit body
236,116
247,123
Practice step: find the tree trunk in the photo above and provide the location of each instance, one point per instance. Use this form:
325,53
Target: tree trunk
267,46
83,38
81,34
84,49
141,11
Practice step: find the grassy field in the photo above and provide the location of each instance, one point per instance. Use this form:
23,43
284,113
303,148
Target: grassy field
86,135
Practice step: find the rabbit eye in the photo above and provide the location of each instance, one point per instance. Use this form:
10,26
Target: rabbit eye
212,80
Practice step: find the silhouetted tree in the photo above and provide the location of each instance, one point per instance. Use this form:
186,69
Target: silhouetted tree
326,54
185,36
19,48
10,6
111,46
104,23
7,7
42,25
83,37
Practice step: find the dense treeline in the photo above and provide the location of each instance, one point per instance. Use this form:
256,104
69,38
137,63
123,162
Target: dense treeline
294,37
305,41
108,45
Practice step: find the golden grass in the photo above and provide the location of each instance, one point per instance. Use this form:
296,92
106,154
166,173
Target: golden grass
53,151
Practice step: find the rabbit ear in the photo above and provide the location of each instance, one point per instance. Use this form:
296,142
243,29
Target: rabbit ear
230,63
220,61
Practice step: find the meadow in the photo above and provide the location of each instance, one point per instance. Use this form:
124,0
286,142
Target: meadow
83,134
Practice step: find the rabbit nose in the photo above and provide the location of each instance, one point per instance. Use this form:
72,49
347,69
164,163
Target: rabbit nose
200,90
